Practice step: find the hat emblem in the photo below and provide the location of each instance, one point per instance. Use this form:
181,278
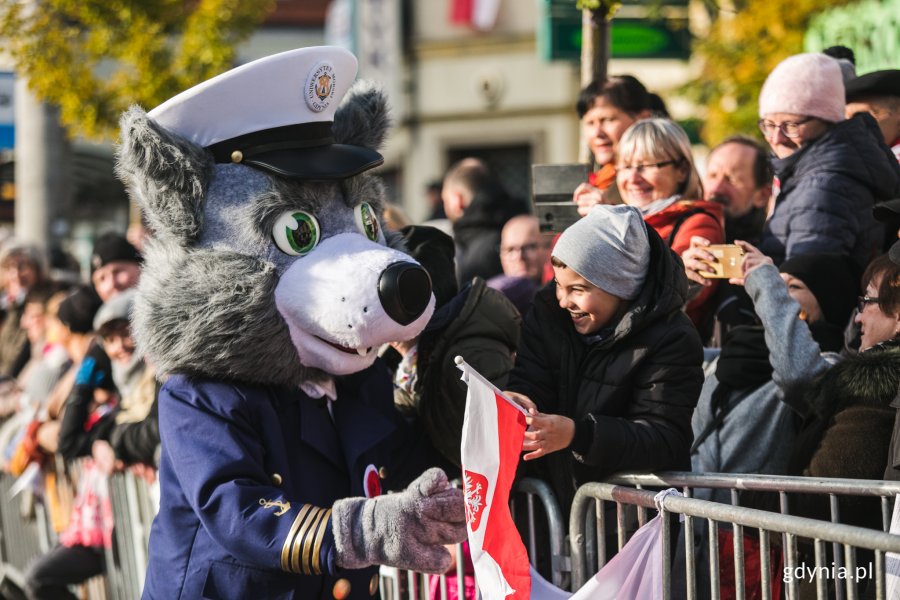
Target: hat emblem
320,86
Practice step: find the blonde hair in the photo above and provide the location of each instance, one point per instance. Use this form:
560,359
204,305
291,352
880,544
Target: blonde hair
659,140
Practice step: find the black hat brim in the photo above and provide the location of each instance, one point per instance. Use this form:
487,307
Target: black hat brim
876,83
334,161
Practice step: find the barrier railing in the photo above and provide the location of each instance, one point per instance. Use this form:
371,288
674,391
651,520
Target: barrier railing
780,484
849,538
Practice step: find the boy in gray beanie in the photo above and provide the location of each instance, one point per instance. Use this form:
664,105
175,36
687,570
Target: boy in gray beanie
609,365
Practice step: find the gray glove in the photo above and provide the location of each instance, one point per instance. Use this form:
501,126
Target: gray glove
407,530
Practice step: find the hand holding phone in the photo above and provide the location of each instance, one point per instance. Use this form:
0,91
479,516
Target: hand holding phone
727,264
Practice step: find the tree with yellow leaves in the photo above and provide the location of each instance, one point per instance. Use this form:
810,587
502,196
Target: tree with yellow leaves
742,49
94,58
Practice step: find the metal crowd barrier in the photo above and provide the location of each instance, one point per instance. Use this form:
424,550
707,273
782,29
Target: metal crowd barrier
848,538
780,484
133,511
25,533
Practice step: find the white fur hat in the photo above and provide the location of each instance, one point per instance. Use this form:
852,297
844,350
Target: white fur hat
805,84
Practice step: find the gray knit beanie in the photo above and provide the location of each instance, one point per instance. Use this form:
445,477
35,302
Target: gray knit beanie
610,248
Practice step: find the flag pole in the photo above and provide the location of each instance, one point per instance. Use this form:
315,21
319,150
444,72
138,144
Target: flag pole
467,370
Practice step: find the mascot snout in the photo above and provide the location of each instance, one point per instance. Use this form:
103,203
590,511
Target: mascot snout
349,296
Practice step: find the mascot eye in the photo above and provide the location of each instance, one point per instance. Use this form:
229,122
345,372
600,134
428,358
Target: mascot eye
296,233
367,221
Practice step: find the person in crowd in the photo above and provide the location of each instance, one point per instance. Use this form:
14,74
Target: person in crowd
742,423
23,267
739,178
133,439
523,253
656,174
478,207
878,93
609,365
606,109
475,322
72,429
115,267
395,218
44,366
830,171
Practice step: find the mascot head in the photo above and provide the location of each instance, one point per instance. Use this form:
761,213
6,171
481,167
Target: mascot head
268,262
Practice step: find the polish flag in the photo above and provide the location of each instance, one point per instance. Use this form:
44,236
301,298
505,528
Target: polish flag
480,14
493,430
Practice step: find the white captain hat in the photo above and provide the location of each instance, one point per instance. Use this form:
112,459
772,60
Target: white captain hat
274,114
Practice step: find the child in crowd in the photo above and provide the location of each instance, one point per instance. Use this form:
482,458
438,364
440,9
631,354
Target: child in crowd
609,366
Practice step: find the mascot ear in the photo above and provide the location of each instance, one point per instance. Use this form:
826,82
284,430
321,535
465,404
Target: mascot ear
363,118
165,174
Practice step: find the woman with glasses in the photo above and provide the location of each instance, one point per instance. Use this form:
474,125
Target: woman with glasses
656,174
830,172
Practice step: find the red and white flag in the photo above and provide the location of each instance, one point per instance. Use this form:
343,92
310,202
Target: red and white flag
480,14
493,430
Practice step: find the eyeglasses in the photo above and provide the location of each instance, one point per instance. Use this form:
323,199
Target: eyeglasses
649,169
863,300
790,129
524,249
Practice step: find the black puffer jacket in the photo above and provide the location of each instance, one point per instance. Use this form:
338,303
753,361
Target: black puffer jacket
634,391
828,189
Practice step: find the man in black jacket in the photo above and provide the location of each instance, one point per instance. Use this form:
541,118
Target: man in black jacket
609,365
478,206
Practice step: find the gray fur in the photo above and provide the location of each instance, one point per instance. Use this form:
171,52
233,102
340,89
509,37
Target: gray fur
165,174
364,103
195,312
206,302
406,530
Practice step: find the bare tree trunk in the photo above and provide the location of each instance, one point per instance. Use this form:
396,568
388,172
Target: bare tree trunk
595,52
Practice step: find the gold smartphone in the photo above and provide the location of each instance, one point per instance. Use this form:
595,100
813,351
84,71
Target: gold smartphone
729,258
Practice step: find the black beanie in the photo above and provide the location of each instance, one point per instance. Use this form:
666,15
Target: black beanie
434,250
832,278
112,247
77,310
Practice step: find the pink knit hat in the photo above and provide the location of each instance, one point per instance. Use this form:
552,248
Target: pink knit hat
805,84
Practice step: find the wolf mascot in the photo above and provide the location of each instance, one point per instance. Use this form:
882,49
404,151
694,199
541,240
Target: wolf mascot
268,286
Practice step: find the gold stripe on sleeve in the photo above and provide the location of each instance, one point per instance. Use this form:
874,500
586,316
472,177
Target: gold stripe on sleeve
308,535
286,548
296,565
317,546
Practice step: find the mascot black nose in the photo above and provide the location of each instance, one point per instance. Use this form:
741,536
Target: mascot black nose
404,290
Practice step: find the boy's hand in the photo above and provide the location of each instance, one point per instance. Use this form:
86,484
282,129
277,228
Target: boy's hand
546,434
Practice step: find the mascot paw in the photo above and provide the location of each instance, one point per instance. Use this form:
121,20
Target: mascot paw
407,530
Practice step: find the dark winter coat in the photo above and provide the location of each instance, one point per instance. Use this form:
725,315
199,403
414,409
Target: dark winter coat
631,395
477,233
847,432
828,189
484,329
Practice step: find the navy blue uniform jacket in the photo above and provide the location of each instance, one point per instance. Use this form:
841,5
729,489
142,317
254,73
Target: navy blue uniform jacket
248,476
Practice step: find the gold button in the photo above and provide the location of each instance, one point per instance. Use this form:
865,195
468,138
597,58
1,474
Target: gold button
276,479
382,473
373,585
341,589
237,156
